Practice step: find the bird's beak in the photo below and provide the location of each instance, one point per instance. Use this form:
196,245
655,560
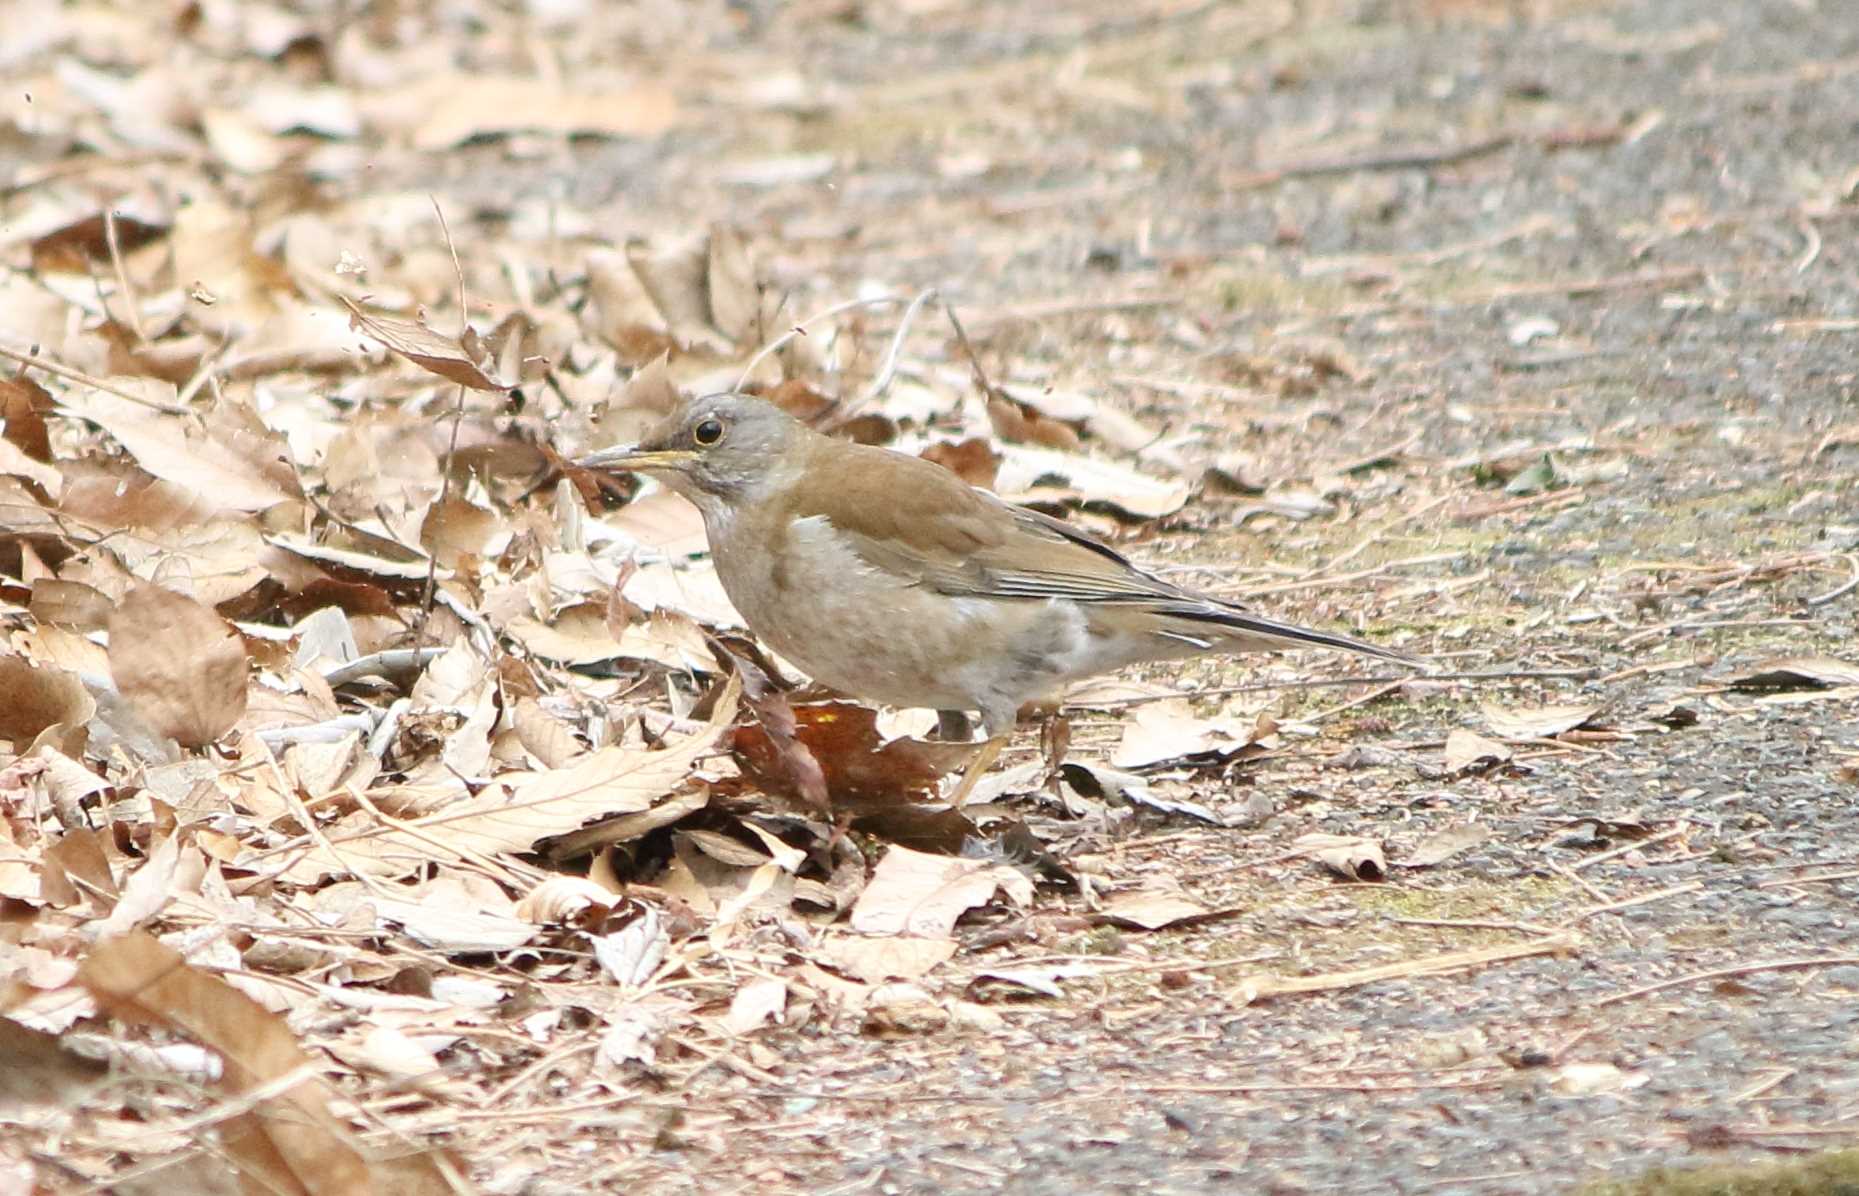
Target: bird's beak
632,457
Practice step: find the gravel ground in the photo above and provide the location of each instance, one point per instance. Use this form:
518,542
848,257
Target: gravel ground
1647,247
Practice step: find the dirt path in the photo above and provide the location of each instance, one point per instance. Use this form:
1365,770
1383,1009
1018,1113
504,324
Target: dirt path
1623,229
1522,334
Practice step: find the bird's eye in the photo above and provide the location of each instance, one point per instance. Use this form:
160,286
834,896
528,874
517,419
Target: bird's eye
708,431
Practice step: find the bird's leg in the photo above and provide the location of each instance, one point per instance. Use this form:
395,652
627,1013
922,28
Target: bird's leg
985,757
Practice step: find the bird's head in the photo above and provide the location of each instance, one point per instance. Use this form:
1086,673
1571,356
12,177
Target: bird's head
719,451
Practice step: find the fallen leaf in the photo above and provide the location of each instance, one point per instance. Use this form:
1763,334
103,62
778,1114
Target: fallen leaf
1445,843
921,895
755,1004
38,698
180,665
1169,732
1468,751
1153,909
290,1141
1593,1079
878,959
443,355
566,899
1353,856
1798,672
632,952
1537,722
1041,980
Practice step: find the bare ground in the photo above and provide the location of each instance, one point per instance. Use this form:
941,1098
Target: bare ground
1399,255
1668,187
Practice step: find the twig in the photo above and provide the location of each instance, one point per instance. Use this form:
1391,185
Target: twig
131,306
1476,924
1587,887
1690,886
1822,878
1852,583
1286,587
988,392
800,329
1372,695
458,417
888,369
1255,988
1748,969
1328,682
1637,845
32,361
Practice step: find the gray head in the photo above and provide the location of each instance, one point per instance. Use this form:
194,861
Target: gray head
718,451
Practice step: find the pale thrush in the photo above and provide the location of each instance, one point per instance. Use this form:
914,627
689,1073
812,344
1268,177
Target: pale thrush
888,577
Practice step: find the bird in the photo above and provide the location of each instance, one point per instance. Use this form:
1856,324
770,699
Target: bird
889,578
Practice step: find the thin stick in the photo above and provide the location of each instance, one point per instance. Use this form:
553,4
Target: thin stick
1286,587
458,417
1255,988
1637,845
800,329
974,363
1690,886
1852,583
32,361
1328,682
1748,969
131,305
1822,878
888,369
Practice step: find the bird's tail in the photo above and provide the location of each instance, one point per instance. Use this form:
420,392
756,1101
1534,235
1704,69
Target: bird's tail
1230,628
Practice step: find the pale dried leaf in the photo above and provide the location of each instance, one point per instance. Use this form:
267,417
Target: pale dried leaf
1445,843
1537,722
229,469
573,899
876,960
756,1004
1353,856
430,350
1798,672
1045,475
1468,750
631,954
921,895
1152,909
180,665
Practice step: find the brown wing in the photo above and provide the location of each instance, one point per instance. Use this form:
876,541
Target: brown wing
915,518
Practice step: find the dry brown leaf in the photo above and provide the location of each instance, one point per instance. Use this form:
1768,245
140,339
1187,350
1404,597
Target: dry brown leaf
570,899
1798,672
432,351
180,665
1445,843
523,808
1169,730
876,960
1537,722
38,698
1153,909
920,895
291,1142
755,1004
1468,750
229,468
1046,475
443,110
1353,856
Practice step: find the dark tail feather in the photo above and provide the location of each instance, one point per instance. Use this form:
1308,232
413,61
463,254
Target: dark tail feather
1215,623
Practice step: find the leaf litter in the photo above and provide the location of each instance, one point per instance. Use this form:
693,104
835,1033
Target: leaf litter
323,702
